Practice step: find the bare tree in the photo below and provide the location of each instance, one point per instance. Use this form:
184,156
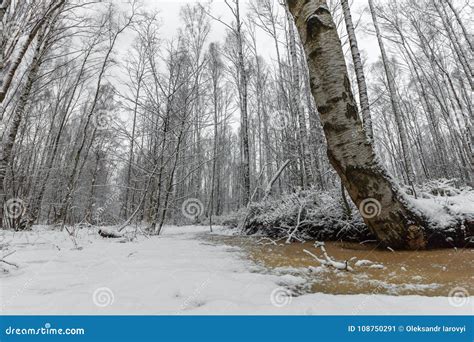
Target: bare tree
394,99
12,52
237,31
113,34
359,70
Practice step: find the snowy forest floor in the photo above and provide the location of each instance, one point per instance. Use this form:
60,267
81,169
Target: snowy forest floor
186,270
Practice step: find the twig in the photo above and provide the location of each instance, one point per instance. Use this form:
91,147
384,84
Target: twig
298,223
272,242
343,266
8,254
9,263
321,261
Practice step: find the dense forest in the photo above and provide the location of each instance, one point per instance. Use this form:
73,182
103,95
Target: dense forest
280,125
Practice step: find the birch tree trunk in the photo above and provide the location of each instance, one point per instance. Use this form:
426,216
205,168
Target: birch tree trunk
385,209
303,134
215,71
9,68
243,108
10,135
132,141
359,70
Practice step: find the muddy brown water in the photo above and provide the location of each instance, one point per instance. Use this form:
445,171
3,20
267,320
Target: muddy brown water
427,273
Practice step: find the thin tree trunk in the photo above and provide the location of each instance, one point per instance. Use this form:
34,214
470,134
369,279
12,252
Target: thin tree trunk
394,100
463,60
215,86
6,76
158,229
359,70
461,24
244,110
132,145
72,177
35,208
303,134
10,135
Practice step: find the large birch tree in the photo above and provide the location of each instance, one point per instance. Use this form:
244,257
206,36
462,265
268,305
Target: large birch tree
386,210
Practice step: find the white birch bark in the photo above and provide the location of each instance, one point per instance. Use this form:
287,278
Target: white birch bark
359,70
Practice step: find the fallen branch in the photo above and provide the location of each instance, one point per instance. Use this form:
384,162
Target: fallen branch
343,266
268,190
271,241
321,261
72,235
7,262
298,224
110,234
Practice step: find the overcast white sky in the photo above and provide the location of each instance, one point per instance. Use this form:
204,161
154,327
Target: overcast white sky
170,23
169,13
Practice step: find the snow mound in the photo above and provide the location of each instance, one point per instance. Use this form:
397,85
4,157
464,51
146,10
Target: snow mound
443,204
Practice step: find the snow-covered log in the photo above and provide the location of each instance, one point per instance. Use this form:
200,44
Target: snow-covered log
109,233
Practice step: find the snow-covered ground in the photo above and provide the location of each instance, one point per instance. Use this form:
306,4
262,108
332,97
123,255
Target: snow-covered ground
171,274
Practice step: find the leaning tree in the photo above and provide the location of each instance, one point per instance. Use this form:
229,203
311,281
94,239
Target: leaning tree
389,213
